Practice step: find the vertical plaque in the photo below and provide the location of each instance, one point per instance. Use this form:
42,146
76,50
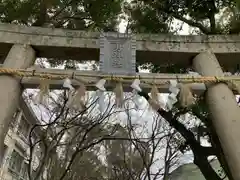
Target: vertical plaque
117,53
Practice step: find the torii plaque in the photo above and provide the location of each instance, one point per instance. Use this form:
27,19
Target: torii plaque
117,53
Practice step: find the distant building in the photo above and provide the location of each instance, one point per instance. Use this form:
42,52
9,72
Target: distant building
16,150
192,172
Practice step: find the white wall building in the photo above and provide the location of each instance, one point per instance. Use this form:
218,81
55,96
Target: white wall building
16,151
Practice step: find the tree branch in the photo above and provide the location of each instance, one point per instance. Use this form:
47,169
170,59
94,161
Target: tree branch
61,10
212,17
209,151
42,16
185,20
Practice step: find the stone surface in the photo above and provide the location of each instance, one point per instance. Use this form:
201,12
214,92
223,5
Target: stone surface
223,109
117,53
81,45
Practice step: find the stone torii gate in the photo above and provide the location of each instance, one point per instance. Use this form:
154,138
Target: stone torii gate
20,45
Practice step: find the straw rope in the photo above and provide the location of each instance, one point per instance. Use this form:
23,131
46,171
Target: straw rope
118,78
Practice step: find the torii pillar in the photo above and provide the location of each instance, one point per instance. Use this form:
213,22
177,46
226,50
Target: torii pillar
224,110
19,57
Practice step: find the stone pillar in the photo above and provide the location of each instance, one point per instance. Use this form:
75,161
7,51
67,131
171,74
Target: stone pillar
20,56
224,110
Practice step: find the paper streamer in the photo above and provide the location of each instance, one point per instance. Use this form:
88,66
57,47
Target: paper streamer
119,97
136,85
100,94
135,98
100,84
42,96
68,84
136,88
101,100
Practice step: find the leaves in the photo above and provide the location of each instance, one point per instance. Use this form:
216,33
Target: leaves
145,19
66,13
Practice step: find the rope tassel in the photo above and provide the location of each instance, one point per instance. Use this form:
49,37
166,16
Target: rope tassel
42,96
81,91
118,90
76,98
186,97
154,93
156,97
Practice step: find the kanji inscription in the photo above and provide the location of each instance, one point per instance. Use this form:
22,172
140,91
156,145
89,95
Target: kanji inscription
117,54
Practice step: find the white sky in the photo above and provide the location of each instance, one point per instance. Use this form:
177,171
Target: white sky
185,28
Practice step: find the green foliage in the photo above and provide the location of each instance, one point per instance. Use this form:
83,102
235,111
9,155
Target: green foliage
72,14
198,11
104,13
145,19
18,11
143,15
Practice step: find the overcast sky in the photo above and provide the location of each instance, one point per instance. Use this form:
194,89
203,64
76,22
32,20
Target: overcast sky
184,31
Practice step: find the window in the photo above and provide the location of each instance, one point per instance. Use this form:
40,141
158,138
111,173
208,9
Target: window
16,161
17,166
24,127
24,171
